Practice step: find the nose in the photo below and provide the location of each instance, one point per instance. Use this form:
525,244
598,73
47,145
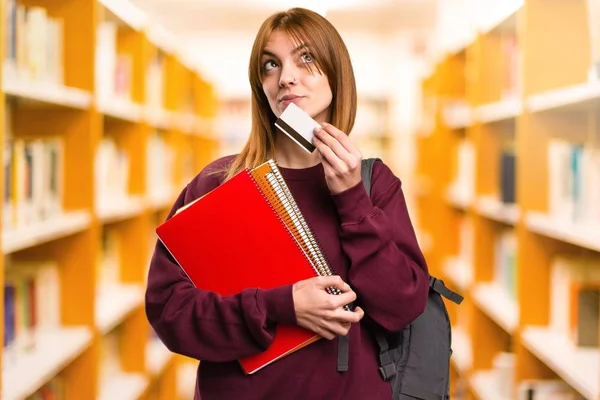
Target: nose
289,76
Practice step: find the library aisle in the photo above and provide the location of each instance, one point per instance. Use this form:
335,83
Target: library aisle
512,208
495,134
103,122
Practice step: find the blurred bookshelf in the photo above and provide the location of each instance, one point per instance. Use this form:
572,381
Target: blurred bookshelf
509,144
103,124
371,133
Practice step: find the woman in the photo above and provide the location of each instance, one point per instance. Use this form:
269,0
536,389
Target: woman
299,57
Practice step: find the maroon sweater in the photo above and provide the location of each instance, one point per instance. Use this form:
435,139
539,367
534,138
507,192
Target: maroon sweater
370,243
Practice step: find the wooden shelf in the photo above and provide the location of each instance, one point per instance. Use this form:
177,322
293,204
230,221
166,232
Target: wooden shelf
127,92
127,12
494,209
184,122
160,201
47,93
462,353
500,16
53,351
579,367
121,110
186,379
157,357
500,111
163,39
582,97
458,117
121,209
522,108
497,305
125,386
459,272
425,240
420,186
55,228
458,197
484,384
115,303
160,119
543,224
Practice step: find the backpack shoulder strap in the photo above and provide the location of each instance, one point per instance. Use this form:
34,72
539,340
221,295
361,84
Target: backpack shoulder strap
438,286
343,341
387,367
366,171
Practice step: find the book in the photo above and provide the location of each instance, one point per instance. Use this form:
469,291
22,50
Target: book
272,184
247,233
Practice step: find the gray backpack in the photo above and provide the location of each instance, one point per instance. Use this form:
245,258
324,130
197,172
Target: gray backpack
416,360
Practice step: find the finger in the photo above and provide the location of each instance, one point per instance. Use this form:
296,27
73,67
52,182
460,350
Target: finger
343,316
337,328
359,313
332,281
325,333
336,154
342,138
330,146
338,165
333,143
327,167
340,300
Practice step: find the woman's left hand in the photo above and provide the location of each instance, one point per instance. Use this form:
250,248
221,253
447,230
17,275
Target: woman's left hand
340,158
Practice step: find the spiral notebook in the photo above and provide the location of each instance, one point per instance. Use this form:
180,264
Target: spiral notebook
247,233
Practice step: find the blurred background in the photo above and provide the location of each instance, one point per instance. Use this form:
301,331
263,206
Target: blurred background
486,109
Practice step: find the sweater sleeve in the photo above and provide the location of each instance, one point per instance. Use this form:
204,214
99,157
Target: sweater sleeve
387,269
205,325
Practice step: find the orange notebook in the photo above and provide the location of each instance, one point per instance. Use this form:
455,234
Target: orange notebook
238,237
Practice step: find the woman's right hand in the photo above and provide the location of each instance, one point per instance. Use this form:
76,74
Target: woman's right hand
321,312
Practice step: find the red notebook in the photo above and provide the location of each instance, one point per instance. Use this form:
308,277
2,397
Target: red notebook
232,239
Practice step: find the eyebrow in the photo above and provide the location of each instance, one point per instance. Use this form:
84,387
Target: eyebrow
297,49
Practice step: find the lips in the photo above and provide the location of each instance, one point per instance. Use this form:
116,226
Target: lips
290,97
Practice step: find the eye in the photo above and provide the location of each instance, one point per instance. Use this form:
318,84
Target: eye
307,58
269,65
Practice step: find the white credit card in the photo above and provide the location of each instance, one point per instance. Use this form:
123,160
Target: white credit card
299,126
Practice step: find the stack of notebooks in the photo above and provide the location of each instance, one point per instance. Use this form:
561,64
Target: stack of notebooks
248,233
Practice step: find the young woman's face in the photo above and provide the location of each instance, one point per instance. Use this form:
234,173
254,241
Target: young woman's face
286,78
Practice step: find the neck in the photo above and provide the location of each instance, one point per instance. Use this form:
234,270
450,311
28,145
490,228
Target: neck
289,155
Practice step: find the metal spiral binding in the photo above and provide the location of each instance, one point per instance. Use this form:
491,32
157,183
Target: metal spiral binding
322,262
296,211
282,206
283,193
285,202
279,217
